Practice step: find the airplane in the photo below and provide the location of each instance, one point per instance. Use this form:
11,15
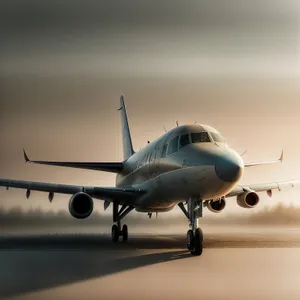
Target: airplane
190,166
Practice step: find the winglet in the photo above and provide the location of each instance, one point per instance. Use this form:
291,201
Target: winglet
251,164
25,156
281,156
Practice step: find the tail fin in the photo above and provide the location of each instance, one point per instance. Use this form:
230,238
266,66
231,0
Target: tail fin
126,136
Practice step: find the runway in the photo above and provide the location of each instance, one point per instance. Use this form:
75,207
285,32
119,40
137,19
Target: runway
237,263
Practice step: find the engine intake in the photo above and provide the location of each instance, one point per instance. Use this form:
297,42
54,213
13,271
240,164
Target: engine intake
81,205
216,206
248,199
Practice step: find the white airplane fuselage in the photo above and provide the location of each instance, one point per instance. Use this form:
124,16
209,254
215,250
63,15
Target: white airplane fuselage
206,169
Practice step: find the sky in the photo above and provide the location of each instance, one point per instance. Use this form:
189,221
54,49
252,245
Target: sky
63,64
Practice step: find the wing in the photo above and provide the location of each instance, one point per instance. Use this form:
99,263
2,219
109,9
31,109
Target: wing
252,164
261,187
113,167
126,195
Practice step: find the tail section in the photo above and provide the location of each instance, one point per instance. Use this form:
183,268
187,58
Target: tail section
126,136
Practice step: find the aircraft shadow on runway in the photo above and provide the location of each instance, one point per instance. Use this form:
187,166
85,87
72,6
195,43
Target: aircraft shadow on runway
32,263
168,241
90,242
41,262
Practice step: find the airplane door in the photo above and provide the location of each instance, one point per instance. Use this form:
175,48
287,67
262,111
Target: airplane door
156,157
150,163
153,160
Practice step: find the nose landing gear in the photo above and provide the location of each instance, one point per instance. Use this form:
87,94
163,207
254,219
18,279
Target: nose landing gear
194,235
190,240
196,247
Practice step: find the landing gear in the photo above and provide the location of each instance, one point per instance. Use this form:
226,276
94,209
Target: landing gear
190,240
118,215
197,242
194,235
125,233
115,233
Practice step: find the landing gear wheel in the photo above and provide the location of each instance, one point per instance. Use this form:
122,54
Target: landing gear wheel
125,233
198,242
115,233
190,240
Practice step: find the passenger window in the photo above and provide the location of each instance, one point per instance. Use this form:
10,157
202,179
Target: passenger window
184,140
217,137
164,152
200,137
173,146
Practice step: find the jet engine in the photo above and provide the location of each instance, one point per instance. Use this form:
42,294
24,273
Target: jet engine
216,206
248,199
81,205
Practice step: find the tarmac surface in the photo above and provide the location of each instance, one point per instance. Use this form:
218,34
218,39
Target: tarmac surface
237,263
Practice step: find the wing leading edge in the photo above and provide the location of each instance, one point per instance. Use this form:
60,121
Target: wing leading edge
113,167
263,187
126,195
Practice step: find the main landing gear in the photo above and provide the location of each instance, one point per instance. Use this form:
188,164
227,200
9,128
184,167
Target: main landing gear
194,235
116,230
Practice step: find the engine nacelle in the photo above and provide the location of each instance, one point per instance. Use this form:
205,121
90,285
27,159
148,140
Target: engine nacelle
216,206
248,199
81,205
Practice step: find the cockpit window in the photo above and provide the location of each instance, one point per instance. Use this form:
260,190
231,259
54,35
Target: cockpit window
164,152
217,137
184,140
173,146
200,137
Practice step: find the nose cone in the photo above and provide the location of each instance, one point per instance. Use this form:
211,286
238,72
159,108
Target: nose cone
230,167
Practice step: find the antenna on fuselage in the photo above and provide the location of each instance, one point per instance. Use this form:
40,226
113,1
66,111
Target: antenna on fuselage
244,152
177,123
165,128
195,122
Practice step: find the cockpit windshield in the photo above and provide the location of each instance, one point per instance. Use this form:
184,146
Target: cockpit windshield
200,137
180,141
217,137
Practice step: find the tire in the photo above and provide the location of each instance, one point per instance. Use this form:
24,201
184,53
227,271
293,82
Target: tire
125,233
115,233
190,240
198,242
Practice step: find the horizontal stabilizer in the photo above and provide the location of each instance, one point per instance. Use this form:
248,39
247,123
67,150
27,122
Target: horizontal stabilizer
25,156
113,167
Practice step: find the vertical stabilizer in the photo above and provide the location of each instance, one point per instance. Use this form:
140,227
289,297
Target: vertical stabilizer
126,136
